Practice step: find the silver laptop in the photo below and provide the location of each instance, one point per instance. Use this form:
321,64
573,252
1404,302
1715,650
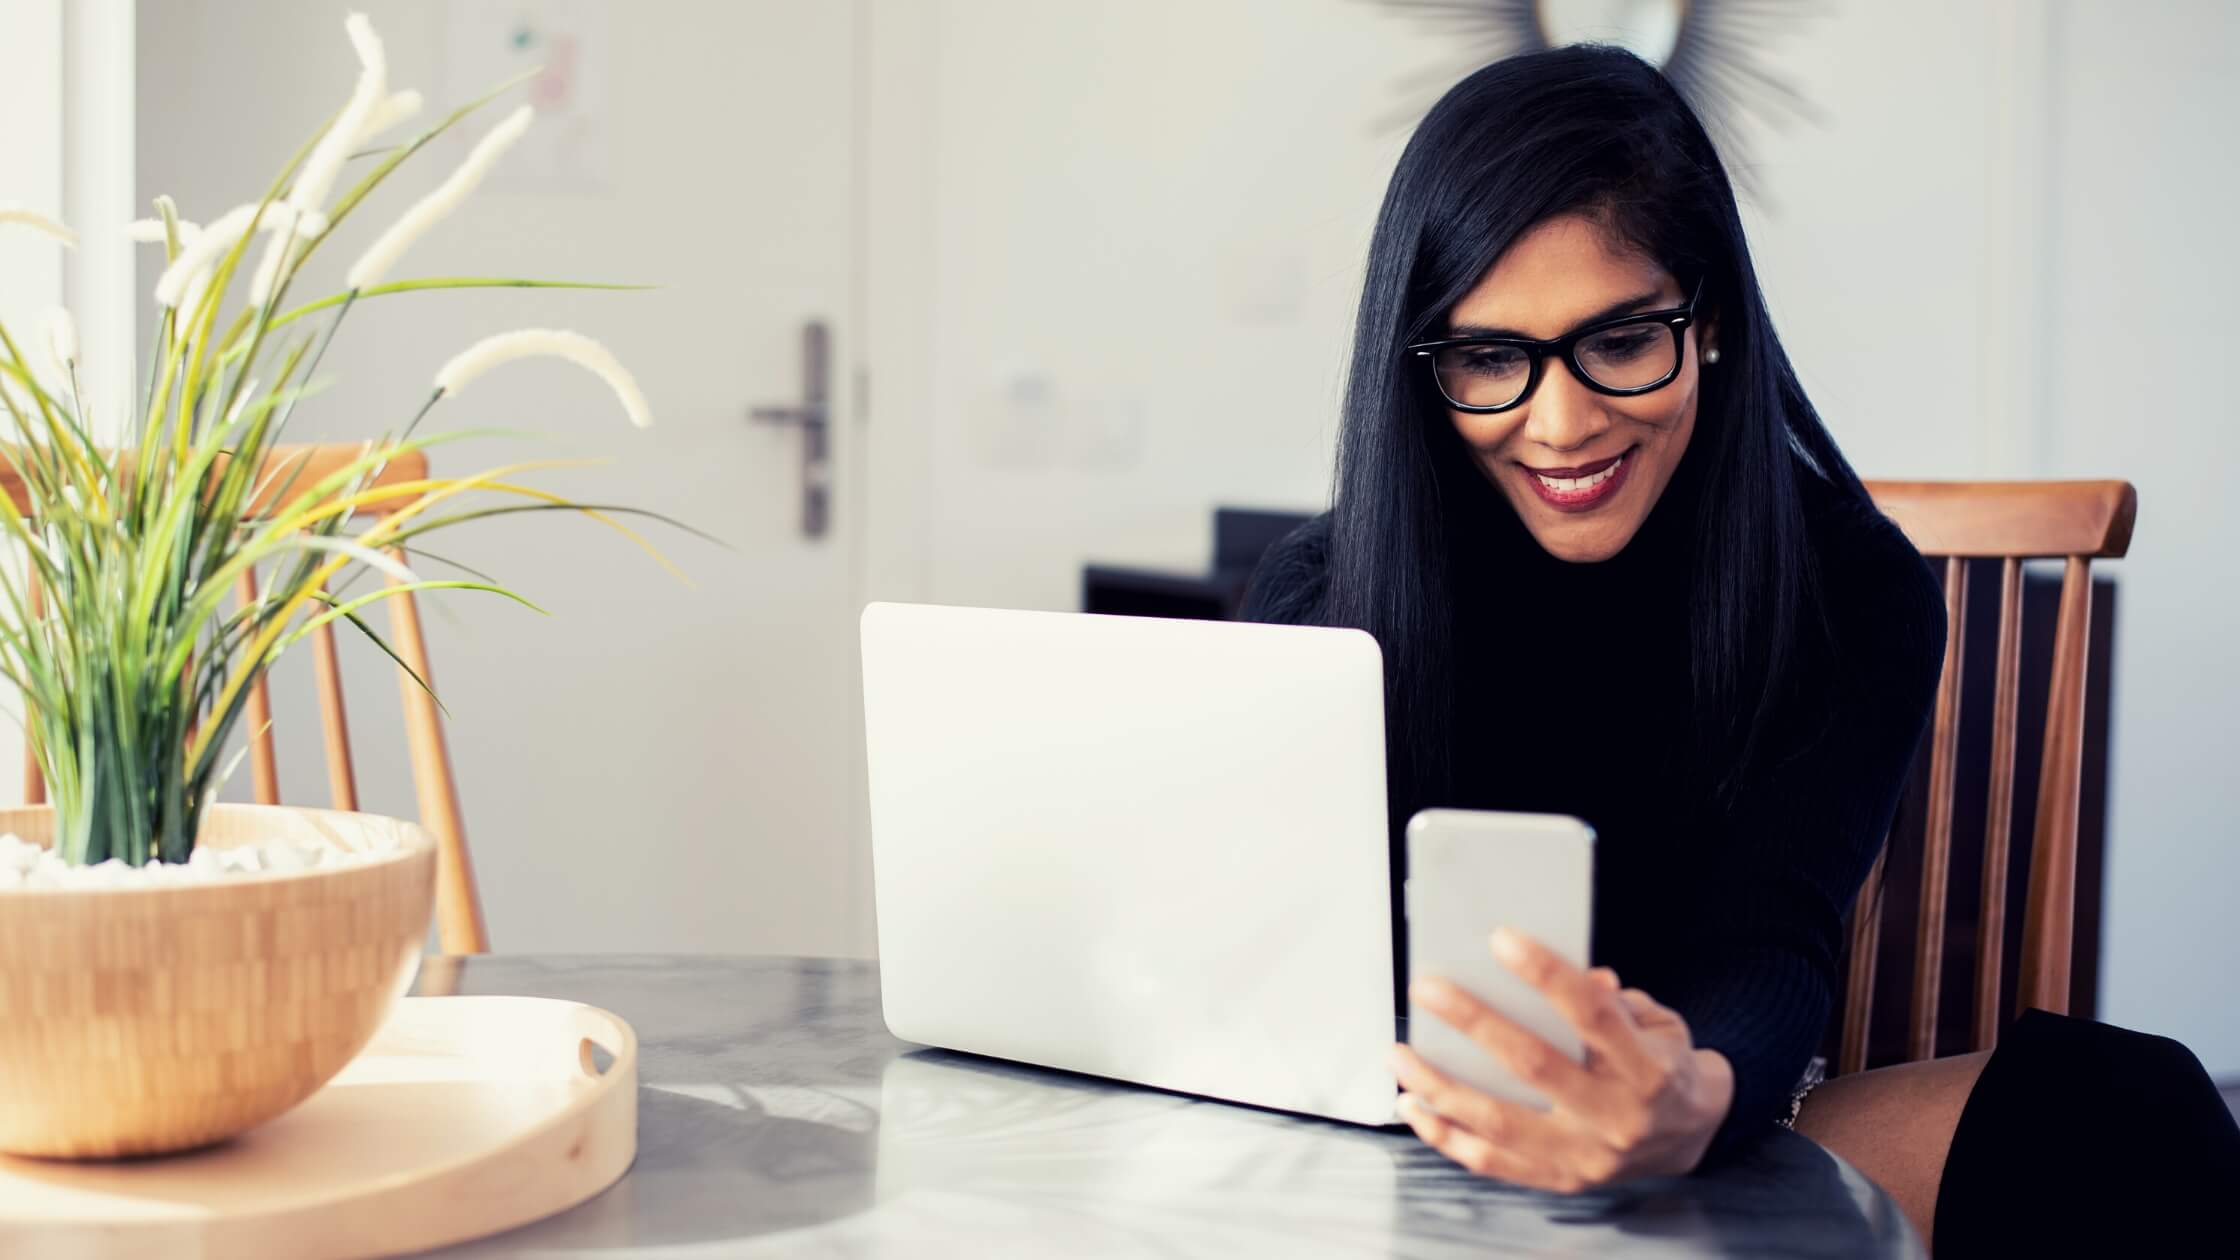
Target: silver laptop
1147,849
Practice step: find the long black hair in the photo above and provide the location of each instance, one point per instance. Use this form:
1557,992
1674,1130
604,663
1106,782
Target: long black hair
1589,130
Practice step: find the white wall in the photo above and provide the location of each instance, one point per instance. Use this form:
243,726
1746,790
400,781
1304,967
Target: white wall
2137,355
1147,241
1147,238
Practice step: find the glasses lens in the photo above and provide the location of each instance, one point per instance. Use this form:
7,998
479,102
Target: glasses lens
1482,376
1630,356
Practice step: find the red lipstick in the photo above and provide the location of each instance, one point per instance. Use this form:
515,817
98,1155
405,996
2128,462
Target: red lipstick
1582,488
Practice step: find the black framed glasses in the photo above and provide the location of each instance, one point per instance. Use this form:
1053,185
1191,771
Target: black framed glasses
1621,356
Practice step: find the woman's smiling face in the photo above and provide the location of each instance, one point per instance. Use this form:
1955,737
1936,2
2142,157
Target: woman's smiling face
1581,469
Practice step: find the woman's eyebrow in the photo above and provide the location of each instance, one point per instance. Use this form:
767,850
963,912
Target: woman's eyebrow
1612,311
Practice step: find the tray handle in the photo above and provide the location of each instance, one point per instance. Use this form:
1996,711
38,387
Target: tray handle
598,1034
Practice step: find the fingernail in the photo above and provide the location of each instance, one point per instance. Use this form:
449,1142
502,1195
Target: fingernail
1432,992
1396,1059
1508,946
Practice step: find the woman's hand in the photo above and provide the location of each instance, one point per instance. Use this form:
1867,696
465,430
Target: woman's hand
1644,1104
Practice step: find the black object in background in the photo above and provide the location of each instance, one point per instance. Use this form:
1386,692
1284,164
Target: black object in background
1240,536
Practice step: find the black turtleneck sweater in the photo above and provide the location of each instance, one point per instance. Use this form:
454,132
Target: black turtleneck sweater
1573,694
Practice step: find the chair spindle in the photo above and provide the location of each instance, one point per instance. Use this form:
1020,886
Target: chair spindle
1998,810
1858,989
1936,856
34,778
342,778
2048,922
264,762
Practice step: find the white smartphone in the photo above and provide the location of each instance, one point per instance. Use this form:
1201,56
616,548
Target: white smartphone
1469,872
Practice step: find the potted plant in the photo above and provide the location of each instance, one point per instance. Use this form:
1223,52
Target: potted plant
173,971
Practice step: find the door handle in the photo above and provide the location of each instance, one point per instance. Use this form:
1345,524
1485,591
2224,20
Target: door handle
813,414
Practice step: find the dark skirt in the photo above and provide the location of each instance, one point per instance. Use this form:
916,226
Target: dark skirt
2085,1139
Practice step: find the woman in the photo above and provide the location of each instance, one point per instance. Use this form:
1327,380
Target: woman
1619,569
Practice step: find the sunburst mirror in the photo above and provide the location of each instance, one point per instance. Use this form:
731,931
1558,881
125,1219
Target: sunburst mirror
1714,51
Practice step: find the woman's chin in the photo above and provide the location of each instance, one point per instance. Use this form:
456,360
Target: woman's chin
1576,541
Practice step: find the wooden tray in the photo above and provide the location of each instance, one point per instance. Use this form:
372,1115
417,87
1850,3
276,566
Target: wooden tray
464,1117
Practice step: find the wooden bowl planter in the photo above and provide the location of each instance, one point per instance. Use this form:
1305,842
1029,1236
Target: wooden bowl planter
143,1020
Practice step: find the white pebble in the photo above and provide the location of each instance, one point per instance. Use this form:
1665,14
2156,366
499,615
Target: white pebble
18,854
26,865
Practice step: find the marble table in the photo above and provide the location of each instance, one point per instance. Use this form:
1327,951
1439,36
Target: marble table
777,1117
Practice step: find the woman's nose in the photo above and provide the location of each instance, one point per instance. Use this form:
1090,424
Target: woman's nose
1563,414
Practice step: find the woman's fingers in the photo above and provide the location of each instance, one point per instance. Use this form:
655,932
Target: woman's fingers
1646,1010
1513,1125
1487,1157
1637,1105
1602,1019
1534,1061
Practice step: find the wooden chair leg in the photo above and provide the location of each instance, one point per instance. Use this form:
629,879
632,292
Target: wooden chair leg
439,976
459,924
264,765
342,778
34,778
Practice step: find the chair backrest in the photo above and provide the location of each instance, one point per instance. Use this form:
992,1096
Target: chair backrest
2075,521
459,922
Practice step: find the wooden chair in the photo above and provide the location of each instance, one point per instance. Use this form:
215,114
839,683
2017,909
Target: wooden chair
459,922
2076,521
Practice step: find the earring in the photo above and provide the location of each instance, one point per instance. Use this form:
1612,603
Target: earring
1711,355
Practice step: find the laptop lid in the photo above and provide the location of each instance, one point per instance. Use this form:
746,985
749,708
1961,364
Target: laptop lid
1143,848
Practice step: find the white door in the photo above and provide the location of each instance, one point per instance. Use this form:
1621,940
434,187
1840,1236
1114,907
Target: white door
653,768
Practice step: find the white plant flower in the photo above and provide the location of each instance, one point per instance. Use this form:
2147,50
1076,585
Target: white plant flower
150,231
190,301
388,566
10,212
200,253
576,348
430,210
287,225
267,273
399,107
218,236
62,339
317,176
